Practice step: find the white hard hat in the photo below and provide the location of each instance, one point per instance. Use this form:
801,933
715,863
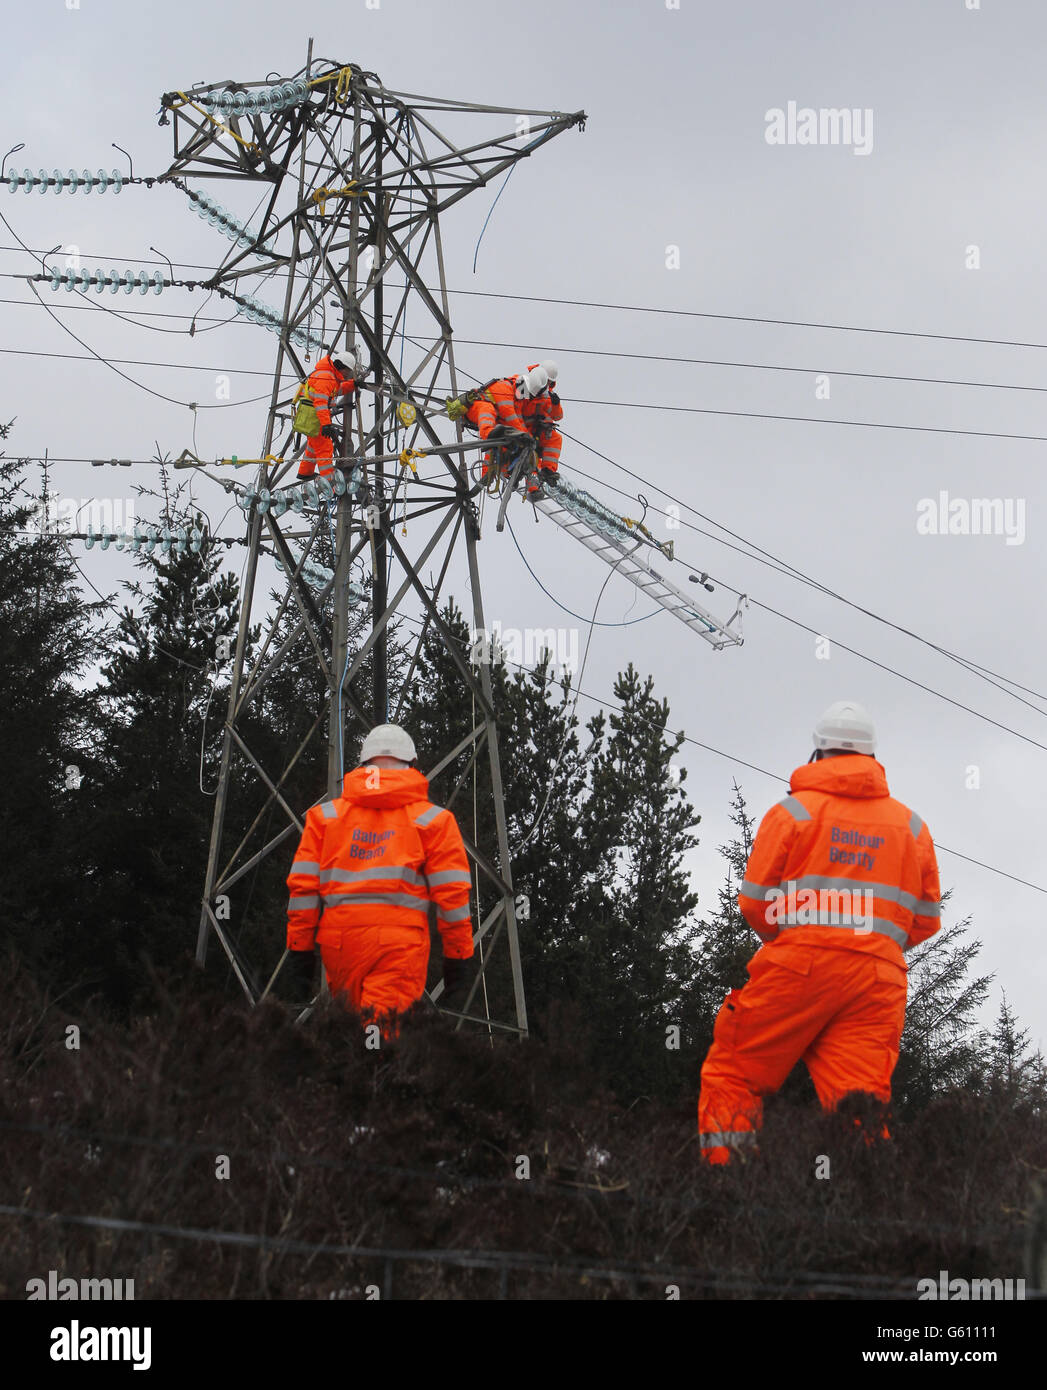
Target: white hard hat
846,726
388,741
551,369
531,383
348,360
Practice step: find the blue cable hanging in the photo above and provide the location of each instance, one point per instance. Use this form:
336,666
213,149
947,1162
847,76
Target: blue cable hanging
488,217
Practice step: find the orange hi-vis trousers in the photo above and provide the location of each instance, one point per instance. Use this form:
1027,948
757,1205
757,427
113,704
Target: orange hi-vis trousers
840,1011
380,969
550,442
319,453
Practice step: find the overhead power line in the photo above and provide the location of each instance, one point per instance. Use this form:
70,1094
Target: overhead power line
750,318
615,404
754,767
216,405
564,350
853,651
972,667
642,308
756,552
687,409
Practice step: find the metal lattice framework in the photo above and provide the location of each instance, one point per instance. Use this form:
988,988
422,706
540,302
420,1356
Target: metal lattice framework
354,180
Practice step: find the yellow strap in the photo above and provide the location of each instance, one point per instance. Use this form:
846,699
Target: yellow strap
247,144
341,78
238,462
408,457
349,190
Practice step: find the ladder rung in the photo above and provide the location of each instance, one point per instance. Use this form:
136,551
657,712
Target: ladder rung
613,552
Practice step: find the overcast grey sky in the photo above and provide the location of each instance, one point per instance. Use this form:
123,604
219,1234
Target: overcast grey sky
675,155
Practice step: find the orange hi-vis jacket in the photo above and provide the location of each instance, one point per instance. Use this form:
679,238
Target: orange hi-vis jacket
541,415
326,383
375,857
496,406
840,864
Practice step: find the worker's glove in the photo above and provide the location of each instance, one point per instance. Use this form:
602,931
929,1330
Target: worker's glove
554,398
457,974
330,431
497,433
300,969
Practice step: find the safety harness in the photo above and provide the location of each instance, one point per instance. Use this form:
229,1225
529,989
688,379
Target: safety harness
458,407
306,421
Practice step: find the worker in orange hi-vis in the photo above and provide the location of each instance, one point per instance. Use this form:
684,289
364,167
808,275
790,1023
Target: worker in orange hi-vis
541,414
495,412
368,864
841,880
330,383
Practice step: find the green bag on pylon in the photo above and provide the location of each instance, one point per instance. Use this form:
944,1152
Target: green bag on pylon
306,421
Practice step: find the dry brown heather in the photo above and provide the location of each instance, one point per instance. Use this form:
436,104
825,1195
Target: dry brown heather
414,1148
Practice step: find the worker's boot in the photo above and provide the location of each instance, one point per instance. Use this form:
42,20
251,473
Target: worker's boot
534,487
548,476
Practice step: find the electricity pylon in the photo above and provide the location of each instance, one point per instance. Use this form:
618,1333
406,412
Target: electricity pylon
354,180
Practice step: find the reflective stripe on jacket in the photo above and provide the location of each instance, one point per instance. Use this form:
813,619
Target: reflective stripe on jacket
840,863
497,406
379,854
325,385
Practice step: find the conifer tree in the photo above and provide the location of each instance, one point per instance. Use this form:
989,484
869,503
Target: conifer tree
160,703
49,640
725,943
639,957
942,1046
1015,1073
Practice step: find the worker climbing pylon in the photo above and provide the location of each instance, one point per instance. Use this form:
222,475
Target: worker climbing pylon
331,381
541,414
493,410
841,880
370,861
528,388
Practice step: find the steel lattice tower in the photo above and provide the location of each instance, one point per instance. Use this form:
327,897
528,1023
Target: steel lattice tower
355,178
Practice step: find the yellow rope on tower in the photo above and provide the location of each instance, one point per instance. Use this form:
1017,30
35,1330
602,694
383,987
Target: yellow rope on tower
247,144
341,78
